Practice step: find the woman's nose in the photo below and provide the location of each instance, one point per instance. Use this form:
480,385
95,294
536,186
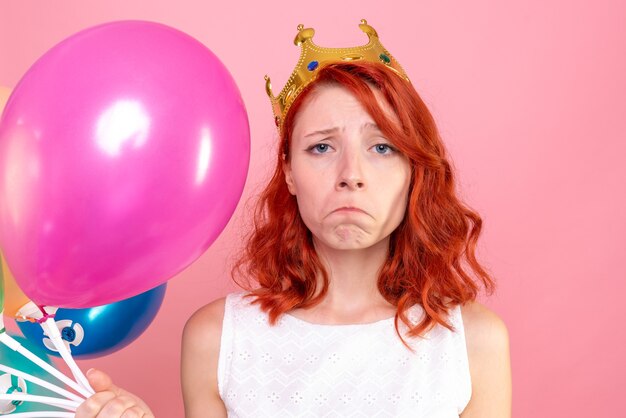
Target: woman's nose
350,175
352,183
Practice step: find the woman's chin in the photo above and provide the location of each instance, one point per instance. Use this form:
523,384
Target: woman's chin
345,242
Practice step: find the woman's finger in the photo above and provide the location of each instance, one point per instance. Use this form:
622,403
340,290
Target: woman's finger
101,381
136,412
92,406
117,406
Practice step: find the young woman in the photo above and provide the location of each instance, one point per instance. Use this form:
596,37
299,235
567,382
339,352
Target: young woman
363,270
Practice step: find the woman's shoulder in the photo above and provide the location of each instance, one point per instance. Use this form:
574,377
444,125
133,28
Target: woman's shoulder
206,321
484,329
199,358
203,331
204,327
487,340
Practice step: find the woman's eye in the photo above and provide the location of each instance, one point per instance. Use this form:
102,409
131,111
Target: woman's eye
383,148
319,148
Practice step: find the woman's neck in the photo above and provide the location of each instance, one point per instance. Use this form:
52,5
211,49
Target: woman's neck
353,294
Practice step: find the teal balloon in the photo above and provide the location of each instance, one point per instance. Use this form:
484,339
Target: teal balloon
11,384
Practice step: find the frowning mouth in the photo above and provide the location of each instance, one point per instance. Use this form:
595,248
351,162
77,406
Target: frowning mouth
349,209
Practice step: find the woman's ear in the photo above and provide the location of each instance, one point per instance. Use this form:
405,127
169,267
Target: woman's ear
289,177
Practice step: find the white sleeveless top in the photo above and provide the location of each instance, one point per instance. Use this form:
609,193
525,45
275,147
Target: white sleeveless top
300,369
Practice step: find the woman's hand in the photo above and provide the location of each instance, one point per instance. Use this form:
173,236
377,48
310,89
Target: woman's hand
109,401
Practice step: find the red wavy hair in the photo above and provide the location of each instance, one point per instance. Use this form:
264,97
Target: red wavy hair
431,258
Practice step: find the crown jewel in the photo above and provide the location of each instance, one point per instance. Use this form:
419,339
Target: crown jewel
314,57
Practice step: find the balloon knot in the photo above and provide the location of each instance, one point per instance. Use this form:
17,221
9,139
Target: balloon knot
45,317
68,334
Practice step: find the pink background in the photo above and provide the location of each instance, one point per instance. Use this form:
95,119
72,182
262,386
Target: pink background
529,97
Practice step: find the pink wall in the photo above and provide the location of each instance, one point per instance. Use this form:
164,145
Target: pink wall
529,97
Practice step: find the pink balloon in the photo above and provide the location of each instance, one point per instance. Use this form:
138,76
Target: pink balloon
123,154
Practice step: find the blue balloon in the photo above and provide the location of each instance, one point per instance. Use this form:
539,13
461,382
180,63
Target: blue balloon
101,330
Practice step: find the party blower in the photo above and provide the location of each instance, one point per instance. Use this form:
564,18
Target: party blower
123,154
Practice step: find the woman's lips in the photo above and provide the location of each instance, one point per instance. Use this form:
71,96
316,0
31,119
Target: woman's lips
349,209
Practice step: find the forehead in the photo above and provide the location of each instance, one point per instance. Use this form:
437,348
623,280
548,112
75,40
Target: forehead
333,106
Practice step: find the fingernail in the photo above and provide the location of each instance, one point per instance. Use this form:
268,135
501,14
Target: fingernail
90,371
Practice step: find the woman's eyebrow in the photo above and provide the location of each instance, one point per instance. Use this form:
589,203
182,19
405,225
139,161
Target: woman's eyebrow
322,132
368,125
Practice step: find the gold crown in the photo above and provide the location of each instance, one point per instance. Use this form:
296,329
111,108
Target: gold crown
314,57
